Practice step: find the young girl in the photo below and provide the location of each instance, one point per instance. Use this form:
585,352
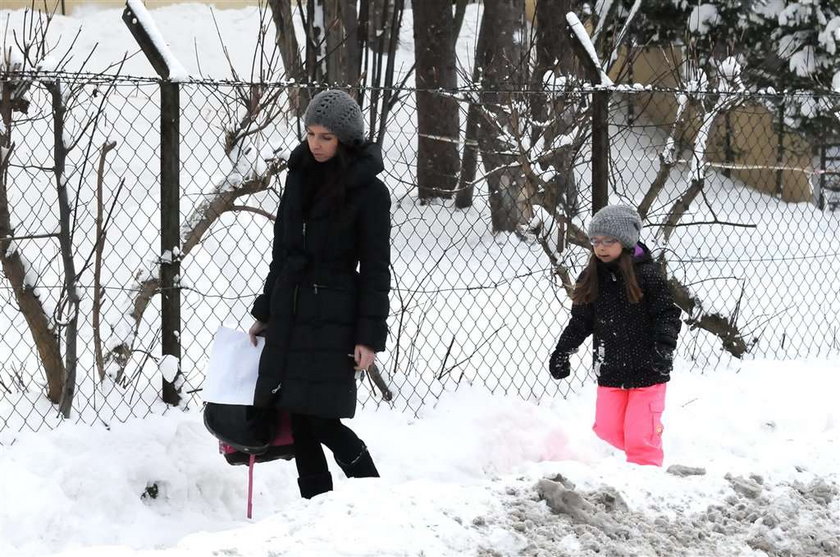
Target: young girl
622,299
324,306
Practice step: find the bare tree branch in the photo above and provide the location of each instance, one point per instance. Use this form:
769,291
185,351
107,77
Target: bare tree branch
97,268
220,201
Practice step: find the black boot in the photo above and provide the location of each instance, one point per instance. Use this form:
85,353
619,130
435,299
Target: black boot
313,485
360,467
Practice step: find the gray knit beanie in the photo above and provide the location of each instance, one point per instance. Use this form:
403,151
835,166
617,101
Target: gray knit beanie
339,113
617,221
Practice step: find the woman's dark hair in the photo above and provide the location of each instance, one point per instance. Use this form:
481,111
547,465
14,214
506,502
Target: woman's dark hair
334,186
586,290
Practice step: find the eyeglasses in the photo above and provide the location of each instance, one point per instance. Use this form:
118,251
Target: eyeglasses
606,242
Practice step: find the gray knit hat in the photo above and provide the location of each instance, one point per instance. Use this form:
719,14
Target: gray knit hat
617,221
339,113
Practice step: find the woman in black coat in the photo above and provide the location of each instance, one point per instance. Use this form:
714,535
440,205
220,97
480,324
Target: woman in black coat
324,306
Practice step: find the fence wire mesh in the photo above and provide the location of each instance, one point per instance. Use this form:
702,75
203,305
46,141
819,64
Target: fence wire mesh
738,207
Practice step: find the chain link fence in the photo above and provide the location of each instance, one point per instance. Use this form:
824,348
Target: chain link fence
737,208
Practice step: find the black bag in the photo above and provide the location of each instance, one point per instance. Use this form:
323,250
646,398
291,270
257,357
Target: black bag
248,435
245,431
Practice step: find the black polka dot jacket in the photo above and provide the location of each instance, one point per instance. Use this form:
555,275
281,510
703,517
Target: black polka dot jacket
626,336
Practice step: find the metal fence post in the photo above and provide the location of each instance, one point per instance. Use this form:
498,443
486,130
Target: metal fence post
600,149
600,155
170,232
170,238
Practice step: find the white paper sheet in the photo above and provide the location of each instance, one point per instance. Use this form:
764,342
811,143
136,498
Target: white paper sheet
231,374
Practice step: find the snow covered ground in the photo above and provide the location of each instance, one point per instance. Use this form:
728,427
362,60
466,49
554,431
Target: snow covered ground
476,475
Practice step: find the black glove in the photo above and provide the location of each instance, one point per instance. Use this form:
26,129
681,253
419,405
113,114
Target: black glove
663,360
559,365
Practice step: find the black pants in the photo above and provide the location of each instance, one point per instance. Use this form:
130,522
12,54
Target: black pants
350,452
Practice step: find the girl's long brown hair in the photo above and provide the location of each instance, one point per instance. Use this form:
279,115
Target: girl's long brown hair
586,291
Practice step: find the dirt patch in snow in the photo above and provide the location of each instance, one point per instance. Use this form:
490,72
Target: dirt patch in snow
785,520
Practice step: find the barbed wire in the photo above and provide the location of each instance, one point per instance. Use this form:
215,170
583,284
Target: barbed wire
581,87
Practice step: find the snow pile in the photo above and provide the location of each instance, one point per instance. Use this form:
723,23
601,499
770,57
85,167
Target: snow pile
751,469
784,519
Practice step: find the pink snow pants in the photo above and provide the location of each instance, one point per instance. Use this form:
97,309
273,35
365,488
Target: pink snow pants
630,420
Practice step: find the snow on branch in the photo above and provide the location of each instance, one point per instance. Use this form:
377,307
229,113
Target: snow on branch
729,83
583,37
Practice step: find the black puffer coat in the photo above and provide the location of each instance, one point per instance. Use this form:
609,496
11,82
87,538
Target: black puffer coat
326,290
625,335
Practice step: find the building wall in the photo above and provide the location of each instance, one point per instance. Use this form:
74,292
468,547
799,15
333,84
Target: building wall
753,137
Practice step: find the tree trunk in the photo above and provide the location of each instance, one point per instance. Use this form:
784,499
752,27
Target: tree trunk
334,45
555,55
385,80
14,267
504,61
437,112
469,161
64,240
342,54
379,24
316,45
553,47
286,41
351,43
